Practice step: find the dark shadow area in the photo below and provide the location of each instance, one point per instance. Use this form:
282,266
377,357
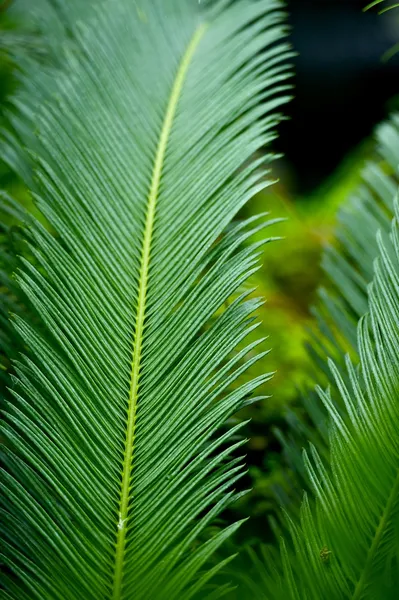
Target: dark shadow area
343,84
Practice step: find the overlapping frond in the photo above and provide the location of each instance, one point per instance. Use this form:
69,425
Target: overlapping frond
347,546
142,155
344,543
348,265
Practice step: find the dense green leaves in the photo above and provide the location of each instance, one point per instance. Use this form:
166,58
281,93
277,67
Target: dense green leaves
348,265
345,545
143,116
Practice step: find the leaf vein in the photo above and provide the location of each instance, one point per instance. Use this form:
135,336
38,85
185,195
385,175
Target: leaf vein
127,469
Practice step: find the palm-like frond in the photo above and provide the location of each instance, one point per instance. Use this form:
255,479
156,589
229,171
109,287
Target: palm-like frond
345,544
348,265
347,547
113,461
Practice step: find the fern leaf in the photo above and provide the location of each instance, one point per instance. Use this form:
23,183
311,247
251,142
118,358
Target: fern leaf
114,463
348,266
345,545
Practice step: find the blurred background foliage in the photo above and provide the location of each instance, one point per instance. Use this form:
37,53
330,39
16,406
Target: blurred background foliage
344,86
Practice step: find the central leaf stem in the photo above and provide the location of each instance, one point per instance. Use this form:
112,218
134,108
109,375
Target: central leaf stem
123,520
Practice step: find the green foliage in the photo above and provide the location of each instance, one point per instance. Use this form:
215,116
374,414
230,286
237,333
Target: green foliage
345,544
139,126
348,264
139,130
288,279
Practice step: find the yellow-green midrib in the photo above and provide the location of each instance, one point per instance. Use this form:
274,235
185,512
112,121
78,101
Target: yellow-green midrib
127,467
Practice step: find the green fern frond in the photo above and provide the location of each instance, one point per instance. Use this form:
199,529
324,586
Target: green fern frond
114,466
344,545
348,265
347,546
